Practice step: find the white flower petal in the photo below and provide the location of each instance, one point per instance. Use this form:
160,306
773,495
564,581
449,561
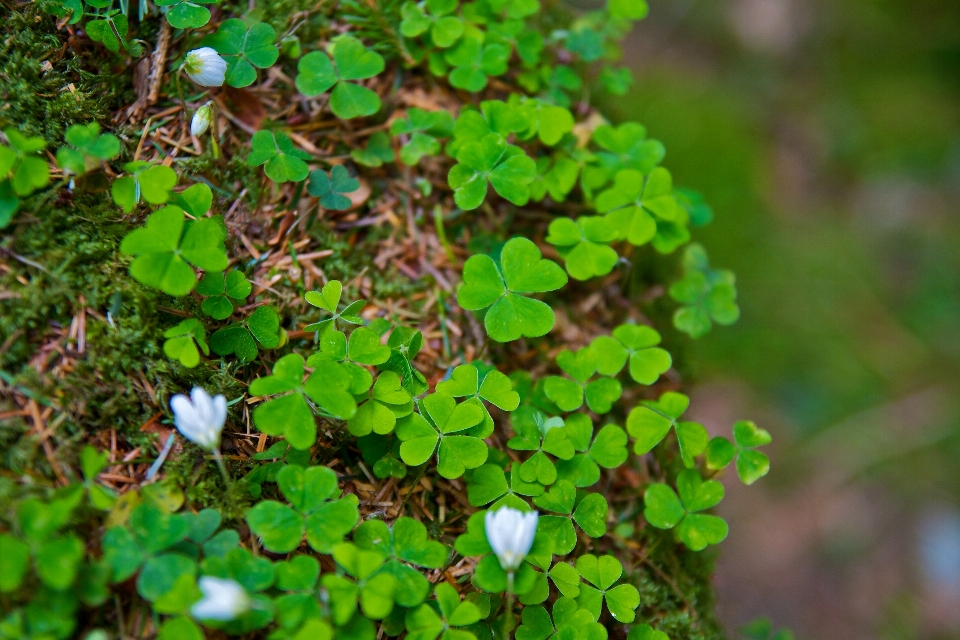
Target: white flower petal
205,67
510,533
222,599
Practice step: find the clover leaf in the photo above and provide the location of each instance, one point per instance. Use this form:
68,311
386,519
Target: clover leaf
762,629
536,432
224,291
148,533
85,148
650,423
706,295
372,588
494,387
665,511
590,514
405,343
556,176
245,48
636,344
388,401
489,575
423,129
627,147
347,59
433,16
569,621
254,574
424,623
751,464
489,482
284,162
92,463
633,206
473,61
165,251
492,160
261,328
377,151
521,270
313,510
421,438
111,30
328,299
195,200
329,188
646,632
583,245
182,341
602,573
569,394
547,121
151,182
187,14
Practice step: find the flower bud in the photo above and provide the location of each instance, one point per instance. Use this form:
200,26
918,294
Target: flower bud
205,67
201,120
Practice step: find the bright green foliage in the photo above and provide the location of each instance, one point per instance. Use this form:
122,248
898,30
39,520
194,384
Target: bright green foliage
664,510
21,172
405,343
751,464
555,176
376,153
423,128
443,426
188,14
489,483
494,387
195,200
166,247
762,629
521,270
405,543
284,162
111,29
245,47
602,573
636,344
372,587
433,16
183,340
92,463
150,182
569,393
86,146
254,574
347,60
590,514
329,188
646,632
546,121
706,295
473,61
650,423
431,619
224,291
569,621
313,510
388,401
584,245
627,147
328,299
492,160
262,327
535,432
644,209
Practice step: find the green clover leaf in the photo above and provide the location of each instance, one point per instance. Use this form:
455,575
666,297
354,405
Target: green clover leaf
590,514
85,148
494,387
422,128
328,299
646,632
245,49
182,341
348,59
148,532
583,245
455,453
423,623
650,423
706,295
107,30
405,344
627,147
751,464
547,121
556,176
489,575
224,291
633,205
376,153
492,160
664,510
187,14
603,573
569,621
152,182
284,162
521,270
261,328
373,589
388,401
165,252
489,482
433,16
313,511
569,394
195,200
329,188
636,343
473,61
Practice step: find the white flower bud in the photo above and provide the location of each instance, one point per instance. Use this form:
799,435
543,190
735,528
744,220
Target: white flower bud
222,599
200,418
205,67
510,534
201,120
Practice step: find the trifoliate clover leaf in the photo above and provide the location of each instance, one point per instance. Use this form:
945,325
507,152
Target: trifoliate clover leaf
616,80
640,208
489,482
433,16
492,160
328,299
590,514
405,344
165,252
313,511
602,573
585,42
224,291
665,510
182,341
627,147
751,464
347,60
495,388
421,438
376,153
650,423
388,401
423,129
473,61
556,176
261,328
636,344
569,394
187,14
85,148
548,122
329,188
521,270
245,49
442,616
151,182
706,295
699,211
569,621
284,162
195,200
111,30
373,589
407,541
584,245
646,632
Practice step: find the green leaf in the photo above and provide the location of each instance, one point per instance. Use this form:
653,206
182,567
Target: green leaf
280,528
609,448
459,453
184,14
663,508
376,153
86,147
160,575
182,341
645,631
591,515
330,188
16,556
350,61
242,338
720,453
583,245
698,531
244,49
283,162
752,465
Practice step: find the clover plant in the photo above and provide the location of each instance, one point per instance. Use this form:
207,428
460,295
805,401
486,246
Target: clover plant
223,291
85,147
707,295
283,161
751,464
185,341
491,160
347,59
245,46
433,17
243,339
635,344
650,422
665,510
21,172
377,152
422,130
330,187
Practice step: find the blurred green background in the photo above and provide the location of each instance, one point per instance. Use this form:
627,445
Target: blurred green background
826,135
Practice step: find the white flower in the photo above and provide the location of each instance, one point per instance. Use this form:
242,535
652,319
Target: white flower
200,418
201,120
222,599
205,67
510,533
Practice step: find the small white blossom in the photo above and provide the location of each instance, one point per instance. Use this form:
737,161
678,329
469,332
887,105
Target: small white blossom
201,120
222,599
200,418
205,67
510,533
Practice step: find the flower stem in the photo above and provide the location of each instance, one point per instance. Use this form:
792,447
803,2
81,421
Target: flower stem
508,613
